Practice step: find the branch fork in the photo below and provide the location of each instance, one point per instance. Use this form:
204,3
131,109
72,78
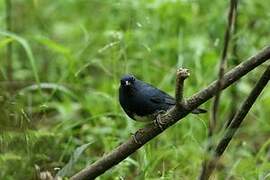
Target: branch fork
181,75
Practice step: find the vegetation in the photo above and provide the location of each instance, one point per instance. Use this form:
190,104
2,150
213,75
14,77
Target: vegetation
59,107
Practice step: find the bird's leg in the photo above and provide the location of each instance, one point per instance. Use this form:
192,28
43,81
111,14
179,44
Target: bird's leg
135,138
158,122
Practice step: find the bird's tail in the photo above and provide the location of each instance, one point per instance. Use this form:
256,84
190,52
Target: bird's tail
198,111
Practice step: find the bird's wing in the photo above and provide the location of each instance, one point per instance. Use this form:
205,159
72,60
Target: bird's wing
155,95
161,97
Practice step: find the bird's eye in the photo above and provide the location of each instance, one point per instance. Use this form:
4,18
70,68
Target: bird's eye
132,79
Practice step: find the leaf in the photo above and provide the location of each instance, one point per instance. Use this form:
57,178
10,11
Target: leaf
27,49
53,45
5,42
67,169
52,86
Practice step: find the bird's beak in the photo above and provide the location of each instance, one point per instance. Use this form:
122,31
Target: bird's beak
127,83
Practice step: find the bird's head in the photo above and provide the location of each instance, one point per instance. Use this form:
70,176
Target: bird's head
127,81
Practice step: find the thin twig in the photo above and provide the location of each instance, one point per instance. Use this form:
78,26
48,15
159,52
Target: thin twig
235,61
236,122
9,46
181,75
174,115
222,65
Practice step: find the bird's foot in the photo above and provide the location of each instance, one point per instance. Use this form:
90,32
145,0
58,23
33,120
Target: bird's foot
135,138
158,122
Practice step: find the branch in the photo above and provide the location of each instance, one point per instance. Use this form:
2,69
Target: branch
181,75
171,117
236,122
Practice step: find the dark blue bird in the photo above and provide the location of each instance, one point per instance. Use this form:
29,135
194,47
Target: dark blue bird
142,101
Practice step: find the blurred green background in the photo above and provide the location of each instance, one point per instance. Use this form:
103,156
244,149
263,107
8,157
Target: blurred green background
79,49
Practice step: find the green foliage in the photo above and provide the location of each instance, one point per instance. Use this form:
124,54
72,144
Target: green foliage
68,57
65,171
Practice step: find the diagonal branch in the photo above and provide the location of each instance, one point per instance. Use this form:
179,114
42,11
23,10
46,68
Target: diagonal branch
171,117
236,122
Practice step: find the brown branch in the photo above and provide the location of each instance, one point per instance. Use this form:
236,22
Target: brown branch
222,65
171,117
181,75
236,122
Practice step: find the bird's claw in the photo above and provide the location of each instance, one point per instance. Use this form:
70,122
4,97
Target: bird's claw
135,138
158,122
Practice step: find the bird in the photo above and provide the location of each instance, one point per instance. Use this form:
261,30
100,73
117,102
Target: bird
142,101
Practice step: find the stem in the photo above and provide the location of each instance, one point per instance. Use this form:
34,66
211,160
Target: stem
9,46
222,65
235,61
